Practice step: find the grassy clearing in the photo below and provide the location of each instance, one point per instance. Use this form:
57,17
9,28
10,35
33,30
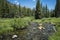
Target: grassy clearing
10,24
48,20
5,25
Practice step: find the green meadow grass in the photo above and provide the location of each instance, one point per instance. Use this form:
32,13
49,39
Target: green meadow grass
9,24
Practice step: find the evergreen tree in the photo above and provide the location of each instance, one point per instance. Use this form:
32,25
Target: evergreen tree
57,8
20,11
52,13
42,14
33,12
24,11
38,10
5,9
29,12
46,11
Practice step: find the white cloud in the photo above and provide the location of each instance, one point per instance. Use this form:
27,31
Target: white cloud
16,2
34,0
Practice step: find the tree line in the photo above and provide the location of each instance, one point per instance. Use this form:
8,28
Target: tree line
9,10
45,11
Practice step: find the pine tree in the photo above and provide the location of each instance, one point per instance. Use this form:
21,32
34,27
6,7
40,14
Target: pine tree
46,10
38,10
4,9
57,8
20,11
47,14
33,12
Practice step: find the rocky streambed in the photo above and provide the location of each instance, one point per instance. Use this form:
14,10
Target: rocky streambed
34,31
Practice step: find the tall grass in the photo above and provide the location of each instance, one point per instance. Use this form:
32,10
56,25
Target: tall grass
15,23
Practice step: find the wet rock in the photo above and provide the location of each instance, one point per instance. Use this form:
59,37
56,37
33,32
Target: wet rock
14,36
49,27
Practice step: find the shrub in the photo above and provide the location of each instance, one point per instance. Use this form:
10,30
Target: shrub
19,23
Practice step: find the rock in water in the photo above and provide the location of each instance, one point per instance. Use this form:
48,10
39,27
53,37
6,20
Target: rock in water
49,27
14,36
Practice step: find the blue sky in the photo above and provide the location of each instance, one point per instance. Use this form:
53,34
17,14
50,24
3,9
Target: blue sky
32,3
